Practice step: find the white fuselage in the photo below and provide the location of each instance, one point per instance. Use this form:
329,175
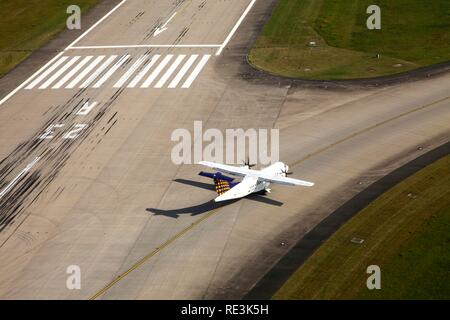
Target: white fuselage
252,184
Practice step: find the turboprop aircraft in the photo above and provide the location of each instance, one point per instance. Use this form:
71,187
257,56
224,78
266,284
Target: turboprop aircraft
254,181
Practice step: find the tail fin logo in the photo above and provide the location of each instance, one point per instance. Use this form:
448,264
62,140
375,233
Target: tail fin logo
222,186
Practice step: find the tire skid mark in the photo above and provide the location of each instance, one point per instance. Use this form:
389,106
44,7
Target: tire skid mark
54,154
136,18
152,29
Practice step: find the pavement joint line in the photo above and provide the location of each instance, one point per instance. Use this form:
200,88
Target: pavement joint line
152,254
368,129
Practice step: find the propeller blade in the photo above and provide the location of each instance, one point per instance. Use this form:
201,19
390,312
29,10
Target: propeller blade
285,172
247,163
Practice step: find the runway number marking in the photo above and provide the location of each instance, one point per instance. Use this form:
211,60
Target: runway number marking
49,133
75,132
72,134
86,108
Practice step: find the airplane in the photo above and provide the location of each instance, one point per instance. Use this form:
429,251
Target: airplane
254,181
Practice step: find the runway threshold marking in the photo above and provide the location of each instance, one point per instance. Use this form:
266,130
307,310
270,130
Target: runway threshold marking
72,45
144,71
152,254
196,71
177,68
46,73
368,129
134,46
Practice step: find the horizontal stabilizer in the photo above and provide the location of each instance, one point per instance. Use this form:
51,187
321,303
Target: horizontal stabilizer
216,175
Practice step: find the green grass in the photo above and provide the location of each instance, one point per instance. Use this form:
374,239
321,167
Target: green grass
407,234
414,33
26,25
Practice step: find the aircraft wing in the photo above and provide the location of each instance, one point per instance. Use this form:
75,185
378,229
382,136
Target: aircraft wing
285,180
236,171
239,171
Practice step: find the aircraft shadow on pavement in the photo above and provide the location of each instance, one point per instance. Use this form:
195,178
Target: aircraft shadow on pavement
193,211
207,206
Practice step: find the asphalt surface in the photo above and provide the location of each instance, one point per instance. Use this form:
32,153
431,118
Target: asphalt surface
280,273
105,195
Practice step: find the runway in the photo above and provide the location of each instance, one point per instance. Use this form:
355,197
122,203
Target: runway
87,178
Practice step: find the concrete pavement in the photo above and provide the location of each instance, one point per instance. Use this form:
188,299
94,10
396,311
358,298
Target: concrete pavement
87,200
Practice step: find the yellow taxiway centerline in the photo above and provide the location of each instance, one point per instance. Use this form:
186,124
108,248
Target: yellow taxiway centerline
151,254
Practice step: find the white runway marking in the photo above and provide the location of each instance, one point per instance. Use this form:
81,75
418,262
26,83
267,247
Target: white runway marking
17,178
96,24
72,72
144,71
23,84
183,71
85,72
57,74
98,71
167,72
196,71
87,107
54,63
133,46
164,26
170,71
110,72
46,73
157,71
236,26
130,71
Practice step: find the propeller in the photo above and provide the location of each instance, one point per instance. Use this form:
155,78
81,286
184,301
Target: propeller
247,163
286,173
